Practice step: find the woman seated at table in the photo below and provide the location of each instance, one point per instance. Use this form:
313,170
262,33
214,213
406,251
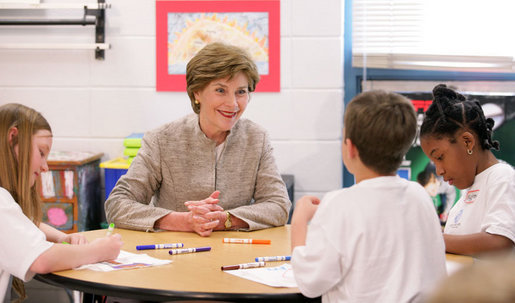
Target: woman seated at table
206,171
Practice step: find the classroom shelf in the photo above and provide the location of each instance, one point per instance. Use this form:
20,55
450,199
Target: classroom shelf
70,191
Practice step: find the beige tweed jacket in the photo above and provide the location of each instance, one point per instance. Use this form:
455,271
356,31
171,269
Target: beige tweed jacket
177,163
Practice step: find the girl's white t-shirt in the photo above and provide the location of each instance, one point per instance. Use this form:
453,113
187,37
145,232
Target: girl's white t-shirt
21,242
487,206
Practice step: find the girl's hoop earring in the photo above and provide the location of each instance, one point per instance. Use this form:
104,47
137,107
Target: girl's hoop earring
469,151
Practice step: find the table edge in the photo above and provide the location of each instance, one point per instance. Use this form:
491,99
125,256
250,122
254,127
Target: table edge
165,295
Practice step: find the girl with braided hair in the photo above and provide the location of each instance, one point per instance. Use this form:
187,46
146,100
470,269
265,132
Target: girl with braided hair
456,136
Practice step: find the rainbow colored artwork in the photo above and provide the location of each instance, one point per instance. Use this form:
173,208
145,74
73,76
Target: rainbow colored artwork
190,32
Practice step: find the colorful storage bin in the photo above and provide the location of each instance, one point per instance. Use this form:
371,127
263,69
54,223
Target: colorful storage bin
113,170
132,144
133,140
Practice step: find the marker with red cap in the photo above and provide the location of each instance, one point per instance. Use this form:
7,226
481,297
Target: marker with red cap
243,266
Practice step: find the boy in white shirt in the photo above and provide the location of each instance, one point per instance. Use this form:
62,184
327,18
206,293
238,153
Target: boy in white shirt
379,240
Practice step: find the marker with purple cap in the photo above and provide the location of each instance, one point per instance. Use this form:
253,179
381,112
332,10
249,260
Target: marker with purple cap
188,250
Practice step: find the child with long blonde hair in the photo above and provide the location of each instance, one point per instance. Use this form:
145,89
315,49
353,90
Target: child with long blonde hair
27,245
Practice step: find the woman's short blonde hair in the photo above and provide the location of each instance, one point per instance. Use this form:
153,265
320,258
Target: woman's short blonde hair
218,61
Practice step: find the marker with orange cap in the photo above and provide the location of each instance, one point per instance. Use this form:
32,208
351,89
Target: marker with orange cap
246,241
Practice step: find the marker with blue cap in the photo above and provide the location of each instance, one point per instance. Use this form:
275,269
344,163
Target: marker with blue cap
273,258
160,246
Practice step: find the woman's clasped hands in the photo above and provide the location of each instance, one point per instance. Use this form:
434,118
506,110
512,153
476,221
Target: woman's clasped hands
206,215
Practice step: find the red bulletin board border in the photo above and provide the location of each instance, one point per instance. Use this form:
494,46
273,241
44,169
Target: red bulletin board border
167,82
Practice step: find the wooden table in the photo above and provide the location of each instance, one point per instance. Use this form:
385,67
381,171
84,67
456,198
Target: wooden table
194,276
459,259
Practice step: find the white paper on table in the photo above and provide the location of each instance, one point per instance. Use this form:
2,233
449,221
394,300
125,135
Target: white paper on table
452,267
279,276
126,260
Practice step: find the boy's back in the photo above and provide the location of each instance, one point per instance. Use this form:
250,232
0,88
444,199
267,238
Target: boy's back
377,241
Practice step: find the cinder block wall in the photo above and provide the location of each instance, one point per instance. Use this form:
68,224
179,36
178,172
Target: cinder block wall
93,104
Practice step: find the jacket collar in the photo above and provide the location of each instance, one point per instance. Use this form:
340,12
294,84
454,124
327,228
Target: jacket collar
199,134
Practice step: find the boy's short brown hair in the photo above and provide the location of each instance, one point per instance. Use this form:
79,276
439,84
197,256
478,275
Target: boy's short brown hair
382,125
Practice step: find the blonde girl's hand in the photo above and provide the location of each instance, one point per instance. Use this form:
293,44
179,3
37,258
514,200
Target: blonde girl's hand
108,248
75,238
305,208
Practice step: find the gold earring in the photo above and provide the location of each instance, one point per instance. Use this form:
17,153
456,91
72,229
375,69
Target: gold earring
196,102
469,151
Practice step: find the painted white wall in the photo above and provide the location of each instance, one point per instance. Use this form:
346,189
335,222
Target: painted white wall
92,105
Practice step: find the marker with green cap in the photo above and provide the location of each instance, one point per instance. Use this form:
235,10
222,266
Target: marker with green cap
110,229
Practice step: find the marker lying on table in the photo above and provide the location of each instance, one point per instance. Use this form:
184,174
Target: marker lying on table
274,258
188,250
246,241
158,246
110,229
243,266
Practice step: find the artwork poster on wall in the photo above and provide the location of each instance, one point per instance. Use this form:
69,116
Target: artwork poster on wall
185,27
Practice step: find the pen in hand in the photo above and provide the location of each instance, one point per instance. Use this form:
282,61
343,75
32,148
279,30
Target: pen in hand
110,230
